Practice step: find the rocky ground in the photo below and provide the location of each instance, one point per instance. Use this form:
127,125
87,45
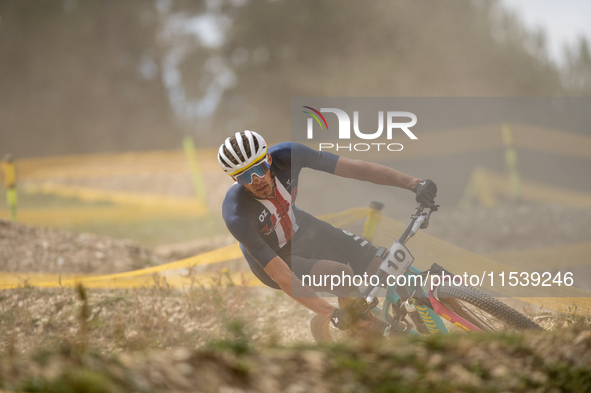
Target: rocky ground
228,338
26,248
512,227
157,317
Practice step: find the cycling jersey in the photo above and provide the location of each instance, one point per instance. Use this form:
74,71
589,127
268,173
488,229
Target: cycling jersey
265,226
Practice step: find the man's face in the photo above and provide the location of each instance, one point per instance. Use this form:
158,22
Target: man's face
262,187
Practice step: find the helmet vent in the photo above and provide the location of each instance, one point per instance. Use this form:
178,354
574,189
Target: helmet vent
256,145
223,161
231,157
247,147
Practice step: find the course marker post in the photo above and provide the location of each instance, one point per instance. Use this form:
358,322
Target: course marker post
195,171
511,158
10,184
468,197
374,216
479,188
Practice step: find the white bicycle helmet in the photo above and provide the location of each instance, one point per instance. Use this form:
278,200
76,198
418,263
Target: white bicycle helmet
249,147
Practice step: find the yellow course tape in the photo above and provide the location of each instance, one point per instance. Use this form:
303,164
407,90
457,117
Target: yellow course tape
345,218
10,280
552,141
489,184
220,255
125,198
425,248
113,164
68,217
177,280
7,280
444,143
565,256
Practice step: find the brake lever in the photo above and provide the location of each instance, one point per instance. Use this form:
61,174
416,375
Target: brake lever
432,208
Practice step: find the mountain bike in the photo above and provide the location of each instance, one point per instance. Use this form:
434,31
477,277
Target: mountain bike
412,306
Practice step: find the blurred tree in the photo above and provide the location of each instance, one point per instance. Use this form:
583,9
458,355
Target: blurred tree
86,76
71,79
577,73
381,48
193,70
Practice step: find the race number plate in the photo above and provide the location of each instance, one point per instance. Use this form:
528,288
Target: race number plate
397,261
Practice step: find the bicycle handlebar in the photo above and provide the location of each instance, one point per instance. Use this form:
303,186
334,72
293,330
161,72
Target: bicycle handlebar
433,207
405,236
418,211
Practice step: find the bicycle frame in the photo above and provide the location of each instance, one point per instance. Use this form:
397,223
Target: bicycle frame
430,319
431,314
430,310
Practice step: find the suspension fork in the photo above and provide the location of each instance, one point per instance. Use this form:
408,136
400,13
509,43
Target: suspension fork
431,319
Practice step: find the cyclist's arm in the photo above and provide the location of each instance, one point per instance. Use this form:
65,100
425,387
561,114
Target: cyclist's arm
374,173
290,284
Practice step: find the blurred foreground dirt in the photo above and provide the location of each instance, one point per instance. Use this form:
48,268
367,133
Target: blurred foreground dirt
531,362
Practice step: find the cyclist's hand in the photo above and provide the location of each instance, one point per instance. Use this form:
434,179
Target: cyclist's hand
426,192
344,318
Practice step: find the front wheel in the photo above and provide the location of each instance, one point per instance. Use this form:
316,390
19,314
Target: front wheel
482,310
323,330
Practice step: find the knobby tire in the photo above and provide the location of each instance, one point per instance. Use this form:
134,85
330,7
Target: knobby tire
454,297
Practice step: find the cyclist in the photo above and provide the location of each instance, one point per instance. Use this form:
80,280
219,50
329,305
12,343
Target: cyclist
281,242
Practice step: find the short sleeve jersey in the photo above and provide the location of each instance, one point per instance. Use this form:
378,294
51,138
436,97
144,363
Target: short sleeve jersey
264,226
